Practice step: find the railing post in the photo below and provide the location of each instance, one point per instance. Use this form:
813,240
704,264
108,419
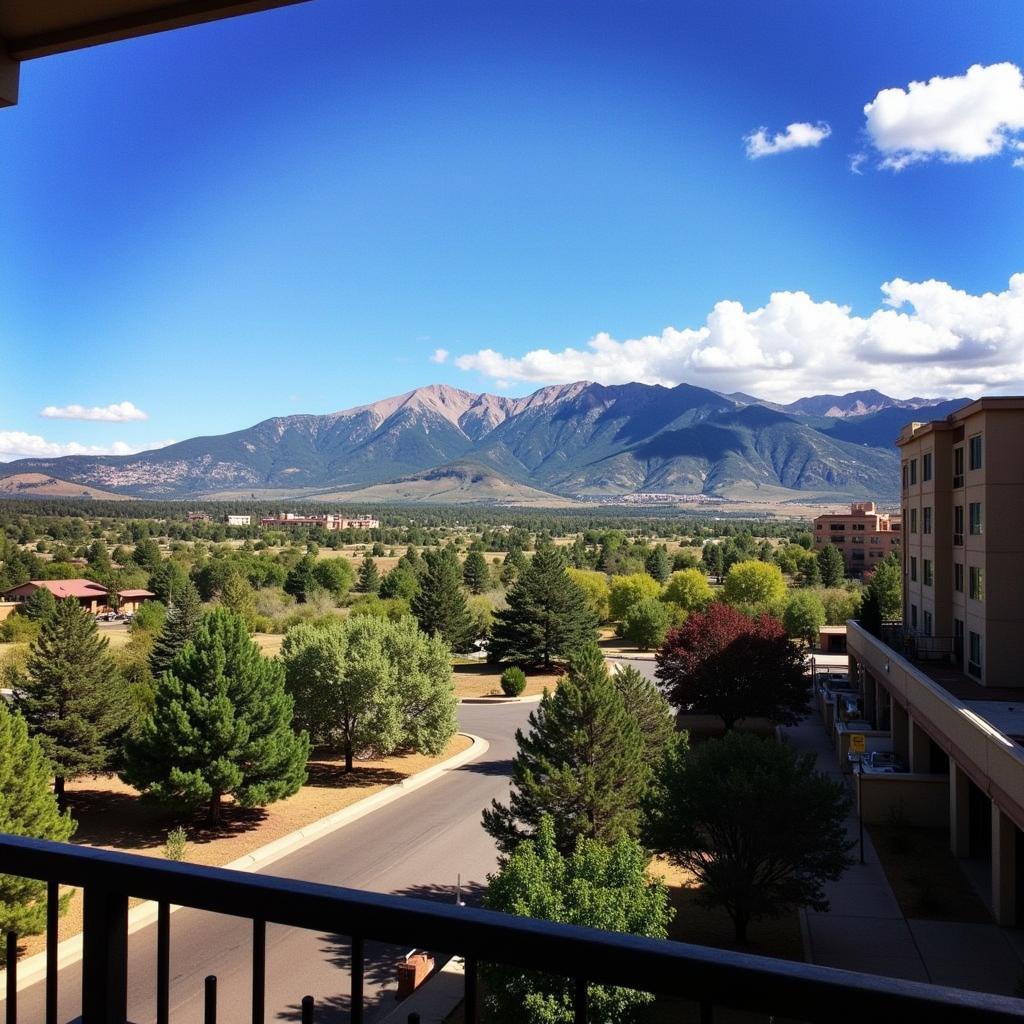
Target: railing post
12,978
52,938
105,957
307,1009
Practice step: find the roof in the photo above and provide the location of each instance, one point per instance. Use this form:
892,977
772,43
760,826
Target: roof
65,588
39,28
135,593
992,403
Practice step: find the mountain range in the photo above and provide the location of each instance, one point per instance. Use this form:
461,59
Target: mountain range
581,440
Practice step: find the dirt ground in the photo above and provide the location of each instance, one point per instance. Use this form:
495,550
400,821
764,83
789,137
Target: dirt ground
479,679
111,815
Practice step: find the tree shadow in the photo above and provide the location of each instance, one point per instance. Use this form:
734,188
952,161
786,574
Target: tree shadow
124,820
332,775
503,767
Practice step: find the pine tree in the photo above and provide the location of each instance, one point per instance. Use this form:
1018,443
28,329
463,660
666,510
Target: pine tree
73,698
179,627
220,725
39,605
583,763
810,572
440,606
646,703
369,576
237,596
833,569
547,615
475,573
27,808
658,564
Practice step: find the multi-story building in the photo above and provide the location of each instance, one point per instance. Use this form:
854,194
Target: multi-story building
946,689
327,521
863,535
238,520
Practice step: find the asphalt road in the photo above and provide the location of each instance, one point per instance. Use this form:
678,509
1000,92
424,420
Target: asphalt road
417,846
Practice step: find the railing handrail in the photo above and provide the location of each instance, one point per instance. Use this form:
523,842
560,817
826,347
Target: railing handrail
739,980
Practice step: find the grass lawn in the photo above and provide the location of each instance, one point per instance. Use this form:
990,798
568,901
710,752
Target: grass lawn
269,643
925,876
478,679
111,815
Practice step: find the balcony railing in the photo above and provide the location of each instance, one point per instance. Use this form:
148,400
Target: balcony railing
916,646
708,977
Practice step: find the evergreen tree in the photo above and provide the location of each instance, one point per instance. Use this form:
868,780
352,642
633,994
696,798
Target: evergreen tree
886,584
646,703
73,698
147,554
369,576
547,615
98,559
179,627
39,605
830,562
810,572
475,573
583,763
658,564
440,606
221,725
237,596
168,580
300,579
514,564
27,808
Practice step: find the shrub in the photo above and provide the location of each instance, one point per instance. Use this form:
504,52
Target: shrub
513,681
177,844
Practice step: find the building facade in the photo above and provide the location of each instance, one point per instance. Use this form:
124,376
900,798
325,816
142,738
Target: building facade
327,521
863,535
89,595
238,520
946,689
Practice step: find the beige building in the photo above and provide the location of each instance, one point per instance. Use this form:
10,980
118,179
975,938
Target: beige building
863,535
946,688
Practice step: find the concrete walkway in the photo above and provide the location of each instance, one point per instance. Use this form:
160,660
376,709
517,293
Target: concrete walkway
865,930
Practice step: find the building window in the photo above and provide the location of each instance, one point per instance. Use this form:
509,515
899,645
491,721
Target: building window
929,573
858,556
874,540
926,467
977,591
958,466
927,622
913,471
837,526
856,540
958,576
958,525
819,526
926,519
913,520
913,616
976,454
857,526
904,476
974,517
974,658
913,568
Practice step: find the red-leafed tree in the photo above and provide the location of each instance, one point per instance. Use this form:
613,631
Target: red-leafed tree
725,663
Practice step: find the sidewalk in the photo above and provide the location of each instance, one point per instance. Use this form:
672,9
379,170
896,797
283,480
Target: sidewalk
865,930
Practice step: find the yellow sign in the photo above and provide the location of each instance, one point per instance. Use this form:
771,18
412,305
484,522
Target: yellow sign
857,744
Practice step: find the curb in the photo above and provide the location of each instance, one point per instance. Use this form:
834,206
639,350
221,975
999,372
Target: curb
534,699
33,970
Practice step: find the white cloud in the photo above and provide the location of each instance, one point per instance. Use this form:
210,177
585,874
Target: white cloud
440,355
799,135
116,412
16,444
957,119
925,338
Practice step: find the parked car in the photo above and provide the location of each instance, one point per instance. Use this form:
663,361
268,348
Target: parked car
882,762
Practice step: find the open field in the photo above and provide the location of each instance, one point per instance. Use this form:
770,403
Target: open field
111,815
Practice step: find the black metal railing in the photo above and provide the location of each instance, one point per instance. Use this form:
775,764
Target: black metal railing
918,647
709,977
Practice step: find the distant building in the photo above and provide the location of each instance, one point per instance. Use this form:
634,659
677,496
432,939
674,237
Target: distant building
327,521
863,535
129,601
197,517
238,520
89,595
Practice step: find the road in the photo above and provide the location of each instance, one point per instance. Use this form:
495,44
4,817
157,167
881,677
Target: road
417,846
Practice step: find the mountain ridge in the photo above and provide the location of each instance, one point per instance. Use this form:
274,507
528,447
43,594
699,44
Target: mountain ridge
569,440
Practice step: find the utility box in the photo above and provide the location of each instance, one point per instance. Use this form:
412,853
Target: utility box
412,972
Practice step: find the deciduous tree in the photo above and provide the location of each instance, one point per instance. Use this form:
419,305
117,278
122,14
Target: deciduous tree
596,885
646,623
629,590
688,588
725,663
755,584
758,827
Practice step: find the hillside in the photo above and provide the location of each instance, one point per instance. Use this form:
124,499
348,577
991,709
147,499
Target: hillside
573,440
41,485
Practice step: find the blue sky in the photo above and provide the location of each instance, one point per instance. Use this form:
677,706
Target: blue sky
293,211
